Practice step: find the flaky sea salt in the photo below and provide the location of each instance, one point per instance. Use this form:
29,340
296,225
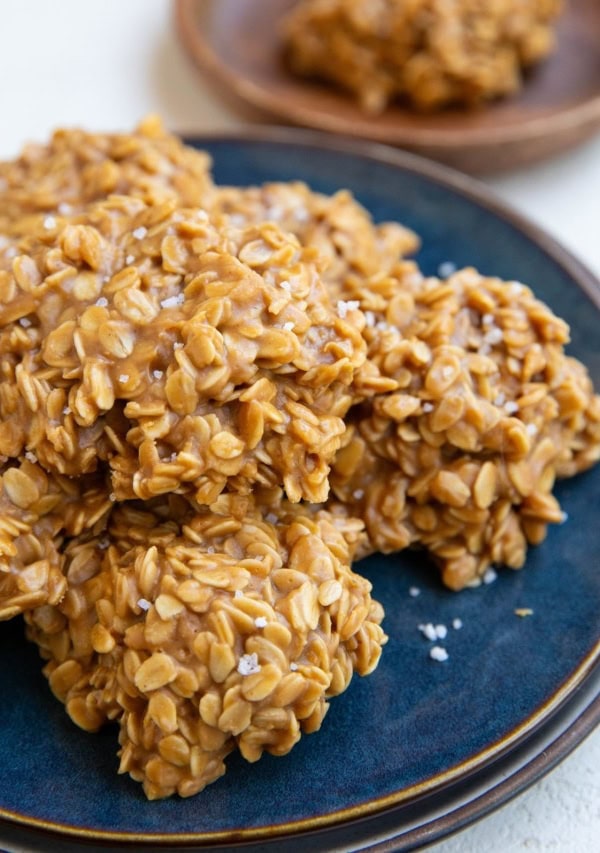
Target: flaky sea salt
144,604
490,575
358,494
414,591
238,594
158,374
123,377
446,269
24,322
457,624
433,632
140,233
428,407
64,209
102,302
494,336
31,457
511,407
49,223
437,653
288,327
173,301
428,631
285,285
129,259
343,306
261,621
293,666
248,664
301,214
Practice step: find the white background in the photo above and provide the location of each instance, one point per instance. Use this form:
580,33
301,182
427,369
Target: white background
104,65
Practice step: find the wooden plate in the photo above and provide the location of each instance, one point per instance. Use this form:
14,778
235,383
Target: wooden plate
236,42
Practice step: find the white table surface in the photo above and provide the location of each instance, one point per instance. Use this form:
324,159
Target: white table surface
103,66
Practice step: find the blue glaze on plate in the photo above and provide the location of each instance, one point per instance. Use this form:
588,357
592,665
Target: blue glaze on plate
413,720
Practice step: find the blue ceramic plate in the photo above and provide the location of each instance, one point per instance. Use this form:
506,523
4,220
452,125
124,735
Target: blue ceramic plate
411,738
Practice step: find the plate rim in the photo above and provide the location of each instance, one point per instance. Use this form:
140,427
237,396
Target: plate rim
206,59
581,714
478,193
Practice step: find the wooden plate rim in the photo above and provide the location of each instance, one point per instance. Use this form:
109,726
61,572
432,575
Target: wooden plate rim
580,116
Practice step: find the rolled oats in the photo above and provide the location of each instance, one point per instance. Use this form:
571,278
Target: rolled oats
338,227
37,510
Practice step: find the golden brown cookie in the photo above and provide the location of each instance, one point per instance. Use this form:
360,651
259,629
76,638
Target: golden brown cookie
488,410
188,356
220,629
75,168
433,53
